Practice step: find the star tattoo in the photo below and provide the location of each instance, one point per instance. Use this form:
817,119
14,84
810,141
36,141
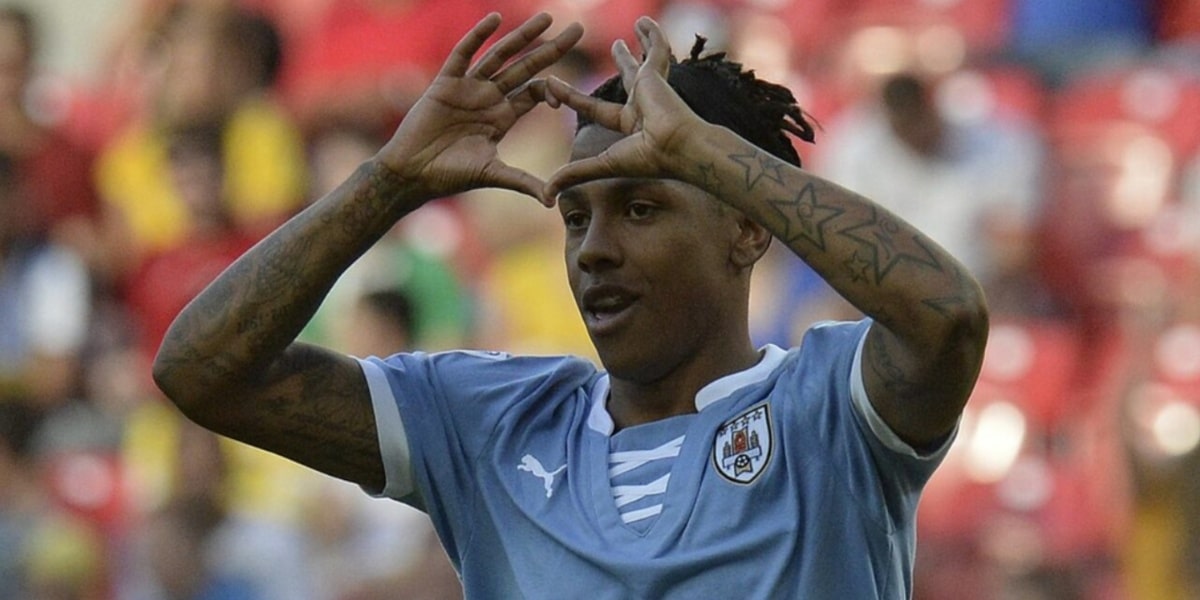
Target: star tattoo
882,239
759,165
708,176
805,218
858,267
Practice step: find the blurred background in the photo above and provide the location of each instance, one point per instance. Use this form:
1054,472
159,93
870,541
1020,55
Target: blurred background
1053,146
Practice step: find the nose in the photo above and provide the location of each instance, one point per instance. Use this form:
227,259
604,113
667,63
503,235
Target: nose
599,249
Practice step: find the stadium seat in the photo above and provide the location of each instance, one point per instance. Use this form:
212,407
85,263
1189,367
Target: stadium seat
1118,142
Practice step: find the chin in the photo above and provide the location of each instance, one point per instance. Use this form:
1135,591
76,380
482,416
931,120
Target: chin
628,364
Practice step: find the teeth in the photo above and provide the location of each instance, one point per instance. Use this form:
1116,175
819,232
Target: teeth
607,303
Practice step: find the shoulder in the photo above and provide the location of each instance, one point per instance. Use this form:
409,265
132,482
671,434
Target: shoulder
819,368
830,340
486,359
478,371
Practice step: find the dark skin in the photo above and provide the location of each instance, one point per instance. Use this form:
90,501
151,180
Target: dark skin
924,349
231,363
676,269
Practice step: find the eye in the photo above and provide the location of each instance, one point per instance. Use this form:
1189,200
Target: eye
575,220
639,210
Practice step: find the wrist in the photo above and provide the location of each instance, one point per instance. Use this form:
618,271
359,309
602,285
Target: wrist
382,194
704,160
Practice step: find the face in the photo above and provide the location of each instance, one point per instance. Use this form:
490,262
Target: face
14,60
649,264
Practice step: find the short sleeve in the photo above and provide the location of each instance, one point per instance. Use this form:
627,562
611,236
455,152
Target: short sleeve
436,413
883,432
882,473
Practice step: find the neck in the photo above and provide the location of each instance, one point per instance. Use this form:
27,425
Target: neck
634,403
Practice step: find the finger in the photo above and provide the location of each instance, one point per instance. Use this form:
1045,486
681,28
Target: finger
546,54
627,65
510,45
604,113
618,160
654,41
507,177
575,173
524,98
460,58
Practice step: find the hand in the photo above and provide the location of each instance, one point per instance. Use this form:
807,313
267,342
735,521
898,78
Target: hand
655,119
447,143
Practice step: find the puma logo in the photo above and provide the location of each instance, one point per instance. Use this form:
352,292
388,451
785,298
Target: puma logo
532,465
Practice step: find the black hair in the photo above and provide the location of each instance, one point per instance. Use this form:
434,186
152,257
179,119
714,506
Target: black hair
260,41
200,137
249,38
721,92
905,94
26,27
395,306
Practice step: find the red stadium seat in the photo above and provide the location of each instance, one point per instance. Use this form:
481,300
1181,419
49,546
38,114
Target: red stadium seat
984,24
1025,489
1119,141
1164,101
89,485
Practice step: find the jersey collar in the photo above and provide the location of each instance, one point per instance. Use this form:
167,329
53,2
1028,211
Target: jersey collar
600,421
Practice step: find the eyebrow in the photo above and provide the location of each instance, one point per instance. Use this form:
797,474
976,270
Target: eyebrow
621,185
570,194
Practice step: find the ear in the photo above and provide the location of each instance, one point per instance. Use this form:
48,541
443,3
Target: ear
750,244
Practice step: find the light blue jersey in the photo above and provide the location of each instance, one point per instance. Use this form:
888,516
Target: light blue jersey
786,485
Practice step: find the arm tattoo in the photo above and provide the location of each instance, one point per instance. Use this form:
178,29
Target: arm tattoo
960,296
805,218
708,176
246,318
759,164
895,379
885,244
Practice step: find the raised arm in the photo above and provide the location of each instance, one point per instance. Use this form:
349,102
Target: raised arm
923,352
230,360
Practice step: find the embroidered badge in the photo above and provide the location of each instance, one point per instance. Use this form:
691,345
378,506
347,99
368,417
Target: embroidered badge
743,445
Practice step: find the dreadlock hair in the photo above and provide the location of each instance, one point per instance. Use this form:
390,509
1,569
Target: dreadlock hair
722,93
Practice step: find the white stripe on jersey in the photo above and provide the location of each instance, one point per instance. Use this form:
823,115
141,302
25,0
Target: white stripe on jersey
631,459
638,515
631,468
624,494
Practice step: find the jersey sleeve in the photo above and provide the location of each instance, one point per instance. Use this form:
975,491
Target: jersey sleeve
879,429
435,414
882,472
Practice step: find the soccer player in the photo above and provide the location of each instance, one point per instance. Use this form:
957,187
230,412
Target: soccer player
694,465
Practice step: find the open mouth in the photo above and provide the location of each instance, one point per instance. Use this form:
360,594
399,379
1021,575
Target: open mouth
603,306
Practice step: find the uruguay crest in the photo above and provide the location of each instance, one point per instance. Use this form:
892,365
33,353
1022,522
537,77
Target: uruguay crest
743,445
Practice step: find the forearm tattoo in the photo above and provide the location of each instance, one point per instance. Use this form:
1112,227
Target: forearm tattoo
759,165
230,357
805,218
870,256
883,244
258,305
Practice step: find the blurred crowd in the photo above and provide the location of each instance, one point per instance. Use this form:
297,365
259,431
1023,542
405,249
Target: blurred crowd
1054,147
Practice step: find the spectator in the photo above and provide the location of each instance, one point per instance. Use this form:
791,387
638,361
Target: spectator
366,61
941,174
44,304
218,67
164,283
406,260
52,171
361,548
198,547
